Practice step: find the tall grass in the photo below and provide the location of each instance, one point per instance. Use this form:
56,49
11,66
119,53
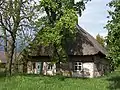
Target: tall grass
37,82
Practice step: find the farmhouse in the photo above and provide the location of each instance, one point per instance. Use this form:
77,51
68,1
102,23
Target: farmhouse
86,58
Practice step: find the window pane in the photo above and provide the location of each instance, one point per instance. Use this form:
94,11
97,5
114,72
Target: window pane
38,67
49,66
79,68
79,63
75,67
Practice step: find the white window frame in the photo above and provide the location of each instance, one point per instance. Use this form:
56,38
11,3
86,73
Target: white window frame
78,64
49,66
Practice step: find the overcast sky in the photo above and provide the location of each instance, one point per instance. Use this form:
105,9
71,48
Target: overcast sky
94,18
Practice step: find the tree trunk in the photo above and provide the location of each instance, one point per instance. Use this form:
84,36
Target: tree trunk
68,58
6,52
7,64
69,66
58,63
25,66
58,68
11,56
16,63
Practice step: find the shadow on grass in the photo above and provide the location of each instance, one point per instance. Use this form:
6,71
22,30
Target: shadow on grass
114,83
58,77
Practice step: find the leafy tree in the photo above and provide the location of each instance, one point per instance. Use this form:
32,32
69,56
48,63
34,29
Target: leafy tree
100,40
59,25
15,17
113,38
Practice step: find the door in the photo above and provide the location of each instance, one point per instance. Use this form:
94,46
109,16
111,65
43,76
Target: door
38,67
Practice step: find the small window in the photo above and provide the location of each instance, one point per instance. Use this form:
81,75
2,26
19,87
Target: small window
77,66
38,67
49,66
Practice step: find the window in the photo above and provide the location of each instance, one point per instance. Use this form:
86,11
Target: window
77,66
49,66
34,66
38,67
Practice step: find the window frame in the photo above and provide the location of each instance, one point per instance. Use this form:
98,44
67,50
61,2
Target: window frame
78,65
49,66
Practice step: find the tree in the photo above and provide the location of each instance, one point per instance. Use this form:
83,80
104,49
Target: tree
15,16
113,38
59,26
100,40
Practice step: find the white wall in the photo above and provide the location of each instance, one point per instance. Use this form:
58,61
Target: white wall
87,70
87,67
49,72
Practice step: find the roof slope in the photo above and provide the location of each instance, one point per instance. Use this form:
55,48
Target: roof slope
84,44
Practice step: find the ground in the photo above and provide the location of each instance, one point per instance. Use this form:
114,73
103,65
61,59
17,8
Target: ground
35,82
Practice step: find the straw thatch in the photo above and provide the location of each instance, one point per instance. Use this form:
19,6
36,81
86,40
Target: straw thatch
84,44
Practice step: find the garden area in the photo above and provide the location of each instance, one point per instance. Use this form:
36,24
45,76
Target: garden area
38,82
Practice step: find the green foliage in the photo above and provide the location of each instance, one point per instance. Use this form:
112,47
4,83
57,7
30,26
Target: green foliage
57,33
113,38
16,16
56,8
100,40
60,27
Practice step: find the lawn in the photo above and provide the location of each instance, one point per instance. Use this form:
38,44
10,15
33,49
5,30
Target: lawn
35,82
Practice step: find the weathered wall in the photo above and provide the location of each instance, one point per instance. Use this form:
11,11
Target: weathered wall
67,69
92,66
30,67
36,68
47,71
87,70
101,66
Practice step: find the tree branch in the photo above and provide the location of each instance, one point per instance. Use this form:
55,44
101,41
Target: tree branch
3,25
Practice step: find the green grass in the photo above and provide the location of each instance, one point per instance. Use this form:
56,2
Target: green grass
34,82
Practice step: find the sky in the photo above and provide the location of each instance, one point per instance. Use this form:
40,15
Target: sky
94,18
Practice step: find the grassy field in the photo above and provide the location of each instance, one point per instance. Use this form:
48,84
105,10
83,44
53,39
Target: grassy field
33,82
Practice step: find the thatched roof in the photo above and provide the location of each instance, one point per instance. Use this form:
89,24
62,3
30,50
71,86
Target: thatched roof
84,44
